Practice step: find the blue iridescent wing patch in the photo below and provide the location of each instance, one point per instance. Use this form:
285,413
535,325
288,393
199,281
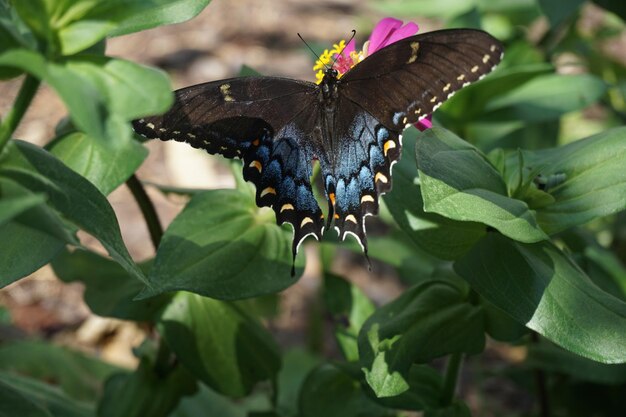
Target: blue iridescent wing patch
352,125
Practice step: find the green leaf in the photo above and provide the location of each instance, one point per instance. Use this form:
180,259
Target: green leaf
69,194
223,247
350,308
128,90
31,238
331,392
102,94
473,190
12,206
424,393
162,12
208,403
219,344
109,289
433,233
559,11
540,287
592,179
297,364
106,167
546,97
79,376
25,397
427,321
146,392
550,358
69,27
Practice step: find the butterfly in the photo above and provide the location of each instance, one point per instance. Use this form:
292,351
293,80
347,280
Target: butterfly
351,124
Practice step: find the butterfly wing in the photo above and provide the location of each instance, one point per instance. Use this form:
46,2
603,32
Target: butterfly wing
396,86
409,79
358,169
265,121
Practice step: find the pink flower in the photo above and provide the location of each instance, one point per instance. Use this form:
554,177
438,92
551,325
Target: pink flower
386,32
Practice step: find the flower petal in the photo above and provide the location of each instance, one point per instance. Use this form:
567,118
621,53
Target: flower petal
407,30
425,123
381,32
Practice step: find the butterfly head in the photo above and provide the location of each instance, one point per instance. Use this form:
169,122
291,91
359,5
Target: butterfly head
331,73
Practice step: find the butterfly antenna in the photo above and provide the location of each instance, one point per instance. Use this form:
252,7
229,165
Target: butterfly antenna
311,49
344,47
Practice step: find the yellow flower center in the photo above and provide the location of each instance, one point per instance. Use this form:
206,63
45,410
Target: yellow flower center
342,64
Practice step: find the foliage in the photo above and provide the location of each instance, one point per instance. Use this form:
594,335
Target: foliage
506,224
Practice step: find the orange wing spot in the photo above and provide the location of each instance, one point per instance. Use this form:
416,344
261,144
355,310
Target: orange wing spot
336,216
256,142
351,218
381,177
390,144
331,196
257,165
268,190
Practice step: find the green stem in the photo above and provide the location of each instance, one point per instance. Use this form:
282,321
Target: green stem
540,383
14,116
147,209
453,369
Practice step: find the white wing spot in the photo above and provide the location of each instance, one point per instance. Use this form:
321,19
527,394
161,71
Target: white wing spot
486,58
461,77
432,100
474,68
447,87
150,126
191,135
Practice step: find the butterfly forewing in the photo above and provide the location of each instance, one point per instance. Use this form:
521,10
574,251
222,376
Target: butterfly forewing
409,79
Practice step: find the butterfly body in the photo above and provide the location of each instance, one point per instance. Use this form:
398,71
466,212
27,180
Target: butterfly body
351,124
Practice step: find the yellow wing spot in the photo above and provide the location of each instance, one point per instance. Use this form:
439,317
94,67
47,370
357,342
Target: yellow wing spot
225,90
404,120
474,68
176,132
432,100
286,207
162,129
461,77
418,111
257,165
486,58
381,177
367,198
415,46
492,48
191,135
223,148
268,190
206,142
150,126
351,218
331,196
447,87
390,144
306,221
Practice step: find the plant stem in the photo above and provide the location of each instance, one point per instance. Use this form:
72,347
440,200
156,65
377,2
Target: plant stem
147,209
14,116
453,369
540,382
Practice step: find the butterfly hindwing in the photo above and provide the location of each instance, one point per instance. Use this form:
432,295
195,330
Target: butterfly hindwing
357,170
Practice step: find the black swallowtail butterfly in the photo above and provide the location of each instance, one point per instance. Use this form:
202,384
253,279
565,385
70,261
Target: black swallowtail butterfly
352,125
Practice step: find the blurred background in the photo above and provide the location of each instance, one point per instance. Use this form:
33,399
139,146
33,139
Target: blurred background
262,35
